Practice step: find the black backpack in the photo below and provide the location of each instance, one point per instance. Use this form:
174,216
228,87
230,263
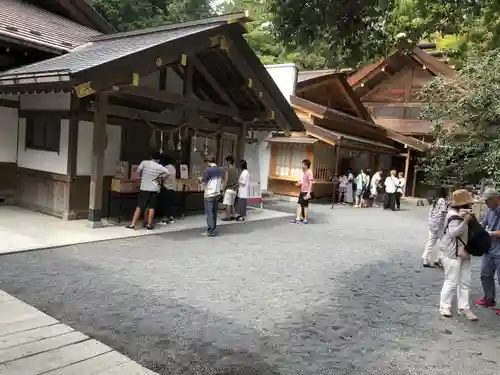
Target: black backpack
478,241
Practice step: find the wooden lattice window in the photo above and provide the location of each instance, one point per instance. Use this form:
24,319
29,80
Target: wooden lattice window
289,159
43,134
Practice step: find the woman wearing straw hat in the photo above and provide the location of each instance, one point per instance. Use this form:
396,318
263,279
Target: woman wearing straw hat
456,261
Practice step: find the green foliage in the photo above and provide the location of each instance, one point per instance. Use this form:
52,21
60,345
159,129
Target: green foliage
126,15
465,114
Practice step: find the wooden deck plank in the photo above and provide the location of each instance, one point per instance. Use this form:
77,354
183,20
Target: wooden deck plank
54,359
93,365
37,321
16,311
45,345
129,368
36,334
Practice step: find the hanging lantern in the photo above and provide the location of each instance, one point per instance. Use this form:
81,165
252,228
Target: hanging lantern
179,143
194,143
161,142
206,147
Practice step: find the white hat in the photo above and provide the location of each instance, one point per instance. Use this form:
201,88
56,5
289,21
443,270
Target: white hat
490,193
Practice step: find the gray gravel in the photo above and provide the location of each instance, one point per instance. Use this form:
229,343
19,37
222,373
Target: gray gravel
344,295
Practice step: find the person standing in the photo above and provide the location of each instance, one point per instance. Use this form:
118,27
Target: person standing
342,188
456,260
306,184
151,173
350,187
399,190
362,183
231,189
436,220
243,191
391,183
375,185
212,179
491,260
169,190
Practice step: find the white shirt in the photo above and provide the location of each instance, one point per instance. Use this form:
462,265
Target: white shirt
375,180
150,171
243,188
391,183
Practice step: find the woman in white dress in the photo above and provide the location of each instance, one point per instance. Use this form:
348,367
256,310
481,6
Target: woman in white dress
349,198
243,191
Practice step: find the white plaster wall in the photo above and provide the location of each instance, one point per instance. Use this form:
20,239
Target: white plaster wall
285,77
8,134
174,83
14,98
84,153
46,102
44,160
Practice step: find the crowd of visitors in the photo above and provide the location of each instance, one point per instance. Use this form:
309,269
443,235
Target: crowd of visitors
367,190
158,191
460,236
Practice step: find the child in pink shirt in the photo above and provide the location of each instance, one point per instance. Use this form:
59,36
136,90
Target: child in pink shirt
306,185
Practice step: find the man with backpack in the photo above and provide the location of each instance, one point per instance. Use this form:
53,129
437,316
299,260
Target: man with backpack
491,259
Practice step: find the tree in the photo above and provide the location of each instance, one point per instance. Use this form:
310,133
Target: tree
126,15
465,114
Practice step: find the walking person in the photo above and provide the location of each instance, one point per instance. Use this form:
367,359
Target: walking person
306,185
399,190
212,179
151,173
391,183
169,190
436,221
231,189
491,260
456,260
243,191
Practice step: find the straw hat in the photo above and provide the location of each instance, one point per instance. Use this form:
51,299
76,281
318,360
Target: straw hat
461,197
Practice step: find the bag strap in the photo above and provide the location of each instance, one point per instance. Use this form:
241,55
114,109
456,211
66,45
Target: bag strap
452,218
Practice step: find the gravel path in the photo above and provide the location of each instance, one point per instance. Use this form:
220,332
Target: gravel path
344,295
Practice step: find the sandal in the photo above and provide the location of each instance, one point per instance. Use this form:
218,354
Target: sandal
130,227
149,227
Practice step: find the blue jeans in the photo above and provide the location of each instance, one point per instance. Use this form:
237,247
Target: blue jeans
211,207
489,265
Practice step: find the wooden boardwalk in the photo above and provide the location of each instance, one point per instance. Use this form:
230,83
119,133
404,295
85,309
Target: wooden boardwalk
33,343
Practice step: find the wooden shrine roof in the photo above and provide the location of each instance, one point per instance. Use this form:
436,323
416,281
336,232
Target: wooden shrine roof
31,25
338,121
223,63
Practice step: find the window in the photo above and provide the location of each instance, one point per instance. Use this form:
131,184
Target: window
392,112
43,134
412,113
289,159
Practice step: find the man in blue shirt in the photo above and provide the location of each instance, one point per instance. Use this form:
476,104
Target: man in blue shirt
212,179
491,260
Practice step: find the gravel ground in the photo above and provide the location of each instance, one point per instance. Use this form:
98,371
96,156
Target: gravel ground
344,295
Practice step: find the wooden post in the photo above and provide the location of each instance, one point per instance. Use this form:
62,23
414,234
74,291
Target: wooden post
336,173
413,187
97,161
407,170
218,149
240,145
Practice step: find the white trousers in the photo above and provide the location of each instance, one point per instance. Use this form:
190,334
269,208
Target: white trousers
429,253
457,281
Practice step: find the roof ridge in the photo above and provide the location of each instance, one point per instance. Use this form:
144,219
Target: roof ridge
224,18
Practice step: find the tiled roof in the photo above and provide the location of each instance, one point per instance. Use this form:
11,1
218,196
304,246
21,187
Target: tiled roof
41,28
304,75
99,52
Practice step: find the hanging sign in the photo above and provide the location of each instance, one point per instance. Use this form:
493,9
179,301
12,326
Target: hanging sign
85,89
184,171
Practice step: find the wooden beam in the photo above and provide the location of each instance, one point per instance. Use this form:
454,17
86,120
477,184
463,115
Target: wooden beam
172,98
414,182
73,136
244,58
97,162
213,82
407,169
336,173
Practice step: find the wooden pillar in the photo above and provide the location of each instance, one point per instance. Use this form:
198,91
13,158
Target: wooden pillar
240,145
97,161
336,172
407,170
414,184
